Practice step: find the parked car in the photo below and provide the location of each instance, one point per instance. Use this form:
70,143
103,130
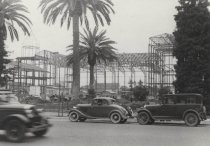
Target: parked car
101,107
187,107
17,119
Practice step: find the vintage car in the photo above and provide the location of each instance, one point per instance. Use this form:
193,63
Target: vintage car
101,107
187,107
16,119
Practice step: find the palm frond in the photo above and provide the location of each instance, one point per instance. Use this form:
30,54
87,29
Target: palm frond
13,11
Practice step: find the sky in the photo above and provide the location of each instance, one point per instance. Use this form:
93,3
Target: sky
132,24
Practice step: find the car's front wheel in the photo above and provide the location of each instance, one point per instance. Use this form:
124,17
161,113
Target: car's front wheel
115,117
40,133
191,119
15,130
73,116
143,118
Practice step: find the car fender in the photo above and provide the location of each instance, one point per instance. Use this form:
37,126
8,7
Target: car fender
120,112
192,111
22,118
145,110
81,113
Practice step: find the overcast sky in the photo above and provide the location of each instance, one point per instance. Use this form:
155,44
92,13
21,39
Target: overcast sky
132,25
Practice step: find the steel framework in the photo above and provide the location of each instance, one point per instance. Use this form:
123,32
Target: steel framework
160,71
49,71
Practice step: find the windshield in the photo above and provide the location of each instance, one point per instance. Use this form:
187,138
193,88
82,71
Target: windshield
8,98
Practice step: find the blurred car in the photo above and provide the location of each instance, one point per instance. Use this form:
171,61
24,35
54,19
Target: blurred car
101,107
16,119
186,107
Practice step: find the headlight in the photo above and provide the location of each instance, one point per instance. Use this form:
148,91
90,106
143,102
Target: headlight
74,107
204,109
29,113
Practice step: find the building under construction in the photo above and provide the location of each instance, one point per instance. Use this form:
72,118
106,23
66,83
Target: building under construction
48,73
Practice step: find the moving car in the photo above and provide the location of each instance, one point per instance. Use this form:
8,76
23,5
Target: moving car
101,107
186,107
17,119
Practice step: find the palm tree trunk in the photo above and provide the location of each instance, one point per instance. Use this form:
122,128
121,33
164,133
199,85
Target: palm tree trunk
91,77
1,55
76,61
91,90
104,80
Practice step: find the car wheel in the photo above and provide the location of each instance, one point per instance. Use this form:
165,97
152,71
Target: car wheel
40,133
191,119
73,116
115,117
82,119
123,121
15,130
143,118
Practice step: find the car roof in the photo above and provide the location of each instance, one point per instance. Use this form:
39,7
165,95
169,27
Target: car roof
185,94
106,98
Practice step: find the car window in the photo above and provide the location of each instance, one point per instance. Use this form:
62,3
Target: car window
170,100
191,100
95,102
104,102
181,100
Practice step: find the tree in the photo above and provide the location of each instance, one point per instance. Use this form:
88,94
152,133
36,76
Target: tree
130,84
94,47
76,10
140,93
11,16
164,90
192,46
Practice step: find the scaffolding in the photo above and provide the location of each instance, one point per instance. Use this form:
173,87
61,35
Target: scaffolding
49,70
45,69
160,71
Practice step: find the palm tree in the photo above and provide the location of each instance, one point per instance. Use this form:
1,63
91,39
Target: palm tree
76,10
11,16
94,47
11,13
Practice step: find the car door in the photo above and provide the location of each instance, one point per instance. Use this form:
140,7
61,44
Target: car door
168,109
101,109
98,108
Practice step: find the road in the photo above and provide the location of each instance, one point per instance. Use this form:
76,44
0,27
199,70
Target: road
104,133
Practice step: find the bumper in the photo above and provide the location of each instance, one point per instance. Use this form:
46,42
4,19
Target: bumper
39,127
203,116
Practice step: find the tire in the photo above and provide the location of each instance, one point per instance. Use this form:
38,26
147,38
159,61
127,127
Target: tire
191,119
73,116
82,119
143,118
115,117
123,121
40,133
15,130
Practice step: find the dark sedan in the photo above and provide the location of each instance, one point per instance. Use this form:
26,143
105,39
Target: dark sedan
101,107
